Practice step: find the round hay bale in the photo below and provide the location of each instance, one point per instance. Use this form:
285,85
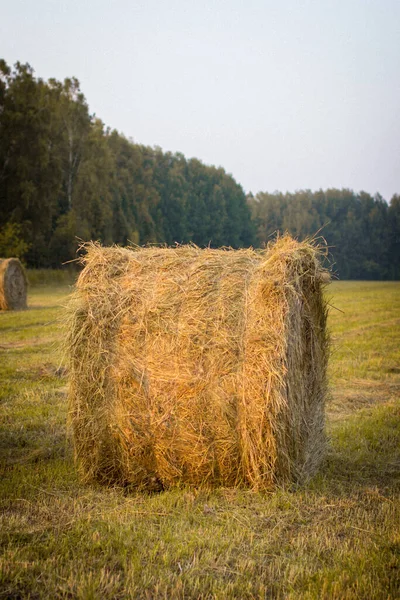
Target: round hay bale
13,284
191,366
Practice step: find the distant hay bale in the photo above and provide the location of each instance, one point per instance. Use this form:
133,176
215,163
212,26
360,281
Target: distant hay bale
13,284
191,366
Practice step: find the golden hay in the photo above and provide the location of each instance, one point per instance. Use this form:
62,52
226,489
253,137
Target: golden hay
13,284
192,366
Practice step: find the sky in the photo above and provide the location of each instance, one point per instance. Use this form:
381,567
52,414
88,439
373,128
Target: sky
283,94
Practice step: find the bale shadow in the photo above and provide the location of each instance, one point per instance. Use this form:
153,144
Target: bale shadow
365,449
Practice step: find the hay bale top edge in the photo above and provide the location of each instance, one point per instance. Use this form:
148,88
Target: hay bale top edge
284,255
7,262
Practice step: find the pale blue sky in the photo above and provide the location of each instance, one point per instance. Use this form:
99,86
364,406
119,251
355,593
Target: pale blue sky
284,95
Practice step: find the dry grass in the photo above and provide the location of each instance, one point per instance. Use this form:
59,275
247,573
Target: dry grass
13,285
336,538
192,366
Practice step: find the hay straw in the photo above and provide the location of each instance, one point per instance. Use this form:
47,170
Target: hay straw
13,284
192,366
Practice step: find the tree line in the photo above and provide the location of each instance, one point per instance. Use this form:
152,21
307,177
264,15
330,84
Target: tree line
65,177
362,232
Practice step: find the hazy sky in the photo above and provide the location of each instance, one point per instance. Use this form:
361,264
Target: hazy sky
284,94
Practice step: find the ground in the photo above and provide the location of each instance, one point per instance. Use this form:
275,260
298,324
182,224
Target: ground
336,537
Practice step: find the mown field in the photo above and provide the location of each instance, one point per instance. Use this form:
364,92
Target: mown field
337,537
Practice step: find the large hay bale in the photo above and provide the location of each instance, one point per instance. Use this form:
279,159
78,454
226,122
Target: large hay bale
192,366
13,284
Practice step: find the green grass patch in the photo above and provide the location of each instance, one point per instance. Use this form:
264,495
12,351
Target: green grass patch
337,537
365,323
64,276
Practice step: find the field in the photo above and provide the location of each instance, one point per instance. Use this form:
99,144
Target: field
337,537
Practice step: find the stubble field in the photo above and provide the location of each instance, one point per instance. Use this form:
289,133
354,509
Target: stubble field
337,537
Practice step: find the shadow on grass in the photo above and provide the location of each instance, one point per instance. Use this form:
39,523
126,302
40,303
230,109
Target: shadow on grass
34,430
364,450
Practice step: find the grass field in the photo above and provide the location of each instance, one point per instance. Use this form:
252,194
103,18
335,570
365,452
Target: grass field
337,537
